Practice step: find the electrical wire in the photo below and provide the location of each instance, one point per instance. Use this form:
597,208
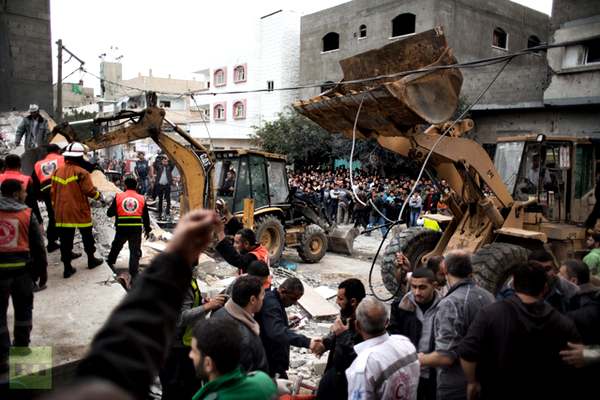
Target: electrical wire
350,163
210,142
442,136
469,64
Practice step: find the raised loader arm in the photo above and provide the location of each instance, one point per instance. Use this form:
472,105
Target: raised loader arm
395,109
194,162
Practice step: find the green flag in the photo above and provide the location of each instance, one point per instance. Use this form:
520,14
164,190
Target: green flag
76,89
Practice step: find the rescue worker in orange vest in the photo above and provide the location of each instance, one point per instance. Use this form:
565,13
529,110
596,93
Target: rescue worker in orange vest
131,214
71,186
245,248
12,170
22,255
42,182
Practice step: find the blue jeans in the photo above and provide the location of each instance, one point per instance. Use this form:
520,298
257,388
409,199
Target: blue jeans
377,220
414,216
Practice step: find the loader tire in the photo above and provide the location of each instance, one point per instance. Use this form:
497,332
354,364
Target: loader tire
270,233
313,244
493,263
414,242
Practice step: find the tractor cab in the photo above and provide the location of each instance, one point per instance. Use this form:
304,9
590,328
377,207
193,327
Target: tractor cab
241,174
556,172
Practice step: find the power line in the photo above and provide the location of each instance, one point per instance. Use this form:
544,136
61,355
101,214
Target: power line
438,141
484,62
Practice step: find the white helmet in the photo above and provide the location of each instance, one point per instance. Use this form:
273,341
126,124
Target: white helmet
74,149
33,108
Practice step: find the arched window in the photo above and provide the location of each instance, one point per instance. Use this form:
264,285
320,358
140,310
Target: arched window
220,77
239,109
533,41
403,24
239,73
331,41
362,31
219,112
500,39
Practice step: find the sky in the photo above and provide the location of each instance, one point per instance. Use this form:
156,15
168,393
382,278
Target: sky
175,37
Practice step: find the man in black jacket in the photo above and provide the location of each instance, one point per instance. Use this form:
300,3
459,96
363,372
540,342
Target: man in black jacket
246,300
275,331
413,317
341,341
515,343
127,352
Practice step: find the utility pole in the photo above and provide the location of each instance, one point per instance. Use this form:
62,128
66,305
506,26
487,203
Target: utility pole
58,111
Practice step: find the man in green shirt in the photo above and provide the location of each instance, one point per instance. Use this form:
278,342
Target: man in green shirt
215,352
592,260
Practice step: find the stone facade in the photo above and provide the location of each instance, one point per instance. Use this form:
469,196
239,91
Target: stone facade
25,55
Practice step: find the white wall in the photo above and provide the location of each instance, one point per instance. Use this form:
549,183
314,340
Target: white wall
272,54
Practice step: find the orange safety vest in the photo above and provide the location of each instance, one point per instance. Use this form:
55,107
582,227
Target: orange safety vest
46,167
262,254
130,208
16,175
14,237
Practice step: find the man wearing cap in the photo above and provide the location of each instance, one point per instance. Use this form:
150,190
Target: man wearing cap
42,182
35,129
71,186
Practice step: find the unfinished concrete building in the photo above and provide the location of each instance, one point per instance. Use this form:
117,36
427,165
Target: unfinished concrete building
25,55
475,30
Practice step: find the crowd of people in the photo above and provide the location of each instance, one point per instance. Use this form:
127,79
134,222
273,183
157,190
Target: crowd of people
157,178
369,200
446,338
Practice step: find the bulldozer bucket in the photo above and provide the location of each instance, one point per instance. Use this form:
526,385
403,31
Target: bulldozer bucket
342,240
391,104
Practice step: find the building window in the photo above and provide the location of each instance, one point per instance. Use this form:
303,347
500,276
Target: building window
500,39
331,41
219,112
592,51
362,31
239,109
239,73
583,54
403,24
533,41
165,104
220,77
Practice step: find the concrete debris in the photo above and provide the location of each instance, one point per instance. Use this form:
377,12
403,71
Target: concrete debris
315,304
326,292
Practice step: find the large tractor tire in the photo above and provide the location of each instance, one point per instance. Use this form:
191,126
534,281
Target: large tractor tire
493,263
414,243
313,244
270,233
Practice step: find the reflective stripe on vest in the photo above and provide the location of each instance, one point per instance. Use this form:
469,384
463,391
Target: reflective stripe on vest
187,336
46,167
65,181
17,176
14,235
262,254
73,224
130,208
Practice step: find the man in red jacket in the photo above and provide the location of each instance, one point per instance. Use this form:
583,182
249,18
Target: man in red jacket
42,182
12,170
131,214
